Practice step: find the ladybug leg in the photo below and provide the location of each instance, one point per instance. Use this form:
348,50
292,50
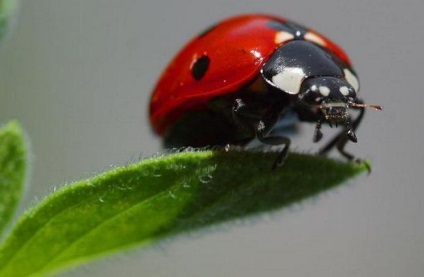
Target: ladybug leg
263,129
318,133
343,137
248,119
243,117
273,140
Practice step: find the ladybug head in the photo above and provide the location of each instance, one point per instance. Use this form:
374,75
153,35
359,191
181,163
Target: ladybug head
332,97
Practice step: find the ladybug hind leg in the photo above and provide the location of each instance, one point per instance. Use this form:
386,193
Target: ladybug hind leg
261,134
261,128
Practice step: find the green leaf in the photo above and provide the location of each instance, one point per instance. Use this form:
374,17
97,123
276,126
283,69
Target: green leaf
156,198
12,171
7,10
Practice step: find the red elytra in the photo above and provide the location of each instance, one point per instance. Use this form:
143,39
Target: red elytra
237,49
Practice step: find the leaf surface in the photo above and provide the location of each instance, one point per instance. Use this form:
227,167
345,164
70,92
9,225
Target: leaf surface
157,198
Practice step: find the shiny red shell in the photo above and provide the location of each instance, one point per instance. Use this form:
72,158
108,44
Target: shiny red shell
237,49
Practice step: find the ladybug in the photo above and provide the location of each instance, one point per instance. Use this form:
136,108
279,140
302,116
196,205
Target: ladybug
244,77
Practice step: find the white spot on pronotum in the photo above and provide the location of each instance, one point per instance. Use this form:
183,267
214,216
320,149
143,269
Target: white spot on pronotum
298,33
289,80
315,38
325,91
282,37
344,91
351,78
314,88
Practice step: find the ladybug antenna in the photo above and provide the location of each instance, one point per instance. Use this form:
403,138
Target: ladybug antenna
356,105
350,133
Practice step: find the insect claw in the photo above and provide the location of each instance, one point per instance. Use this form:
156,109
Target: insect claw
317,136
351,136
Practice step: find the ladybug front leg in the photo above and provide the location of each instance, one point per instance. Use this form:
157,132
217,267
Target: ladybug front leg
342,138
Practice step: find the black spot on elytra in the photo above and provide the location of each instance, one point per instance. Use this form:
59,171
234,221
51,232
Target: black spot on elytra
278,26
298,30
207,31
200,67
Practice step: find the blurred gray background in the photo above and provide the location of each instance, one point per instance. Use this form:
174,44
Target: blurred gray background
78,75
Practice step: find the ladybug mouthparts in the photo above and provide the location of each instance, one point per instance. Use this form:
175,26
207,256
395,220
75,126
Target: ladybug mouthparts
335,112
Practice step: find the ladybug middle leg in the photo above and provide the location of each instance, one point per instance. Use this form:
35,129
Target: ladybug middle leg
261,125
341,139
